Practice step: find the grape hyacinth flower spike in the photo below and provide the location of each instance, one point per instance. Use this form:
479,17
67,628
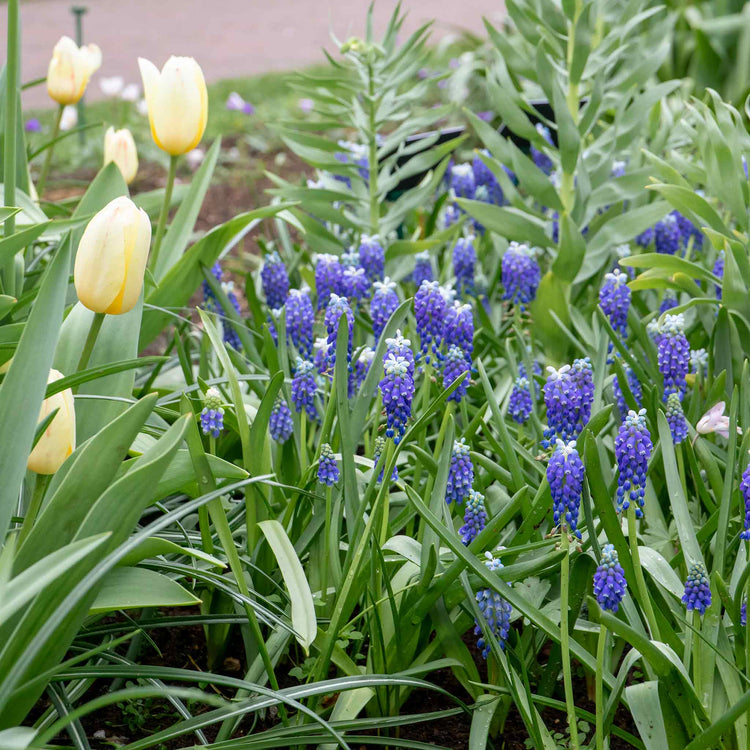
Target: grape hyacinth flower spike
328,278
382,305
633,448
275,280
429,311
320,356
609,580
668,302
459,327
520,274
460,473
280,425
355,284
422,269
562,398
372,258
697,594
745,492
303,388
496,612
328,469
614,299
338,306
300,319
673,355
456,364
483,177
212,414
399,346
667,235
397,390
475,517
520,404
462,180
676,419
464,265
565,476
583,377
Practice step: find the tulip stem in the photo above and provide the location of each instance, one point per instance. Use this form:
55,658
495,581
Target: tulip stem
88,346
42,480
162,225
48,157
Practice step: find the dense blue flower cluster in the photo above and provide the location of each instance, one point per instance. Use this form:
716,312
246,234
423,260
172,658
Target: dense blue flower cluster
353,153
429,311
667,235
699,361
520,274
328,278
303,388
475,517
745,492
618,168
275,280
673,352
372,257
609,580
541,159
280,424
697,594
562,397
583,377
462,180
565,476
378,451
212,414
458,329
496,612
633,448
614,299
676,418
229,334
456,363
460,473
464,265
520,404
382,305
355,284
328,469
483,177
422,269
645,238
320,356
718,271
669,301
398,346
300,319
337,306
397,390
688,230
635,389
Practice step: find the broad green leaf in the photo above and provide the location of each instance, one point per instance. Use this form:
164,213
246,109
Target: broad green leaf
507,222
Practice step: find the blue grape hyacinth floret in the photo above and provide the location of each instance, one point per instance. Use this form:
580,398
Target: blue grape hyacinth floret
320,354
673,352
456,364
458,329
745,492
423,270
328,278
645,238
382,305
565,476
429,310
464,265
397,390
460,473
669,301
688,230
212,414
697,594
304,387
378,451
562,398
338,306
676,419
496,612
667,235
609,580
483,177
398,346
280,424
328,469
462,180
475,517
633,449
520,404
300,319
520,274
614,299
355,284
372,257
275,280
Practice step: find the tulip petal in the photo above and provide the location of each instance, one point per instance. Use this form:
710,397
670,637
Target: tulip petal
151,81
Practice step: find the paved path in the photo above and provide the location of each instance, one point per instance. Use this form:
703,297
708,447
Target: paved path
229,38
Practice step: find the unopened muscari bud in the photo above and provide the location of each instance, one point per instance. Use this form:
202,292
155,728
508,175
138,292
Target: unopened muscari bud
328,469
697,594
475,517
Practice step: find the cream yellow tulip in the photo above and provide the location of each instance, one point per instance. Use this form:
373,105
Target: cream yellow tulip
111,258
119,147
177,103
70,69
58,441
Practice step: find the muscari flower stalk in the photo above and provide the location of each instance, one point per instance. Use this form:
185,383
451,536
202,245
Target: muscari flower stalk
328,469
397,390
382,305
496,612
539,158
618,168
372,257
280,424
355,285
460,473
583,376
718,270
422,269
328,278
668,301
520,405
304,387
360,368
300,318
398,346
536,369
275,280
462,180
667,235
456,363
697,594
459,327
320,357
379,448
687,230
635,389
565,476
609,580
673,355
212,414
614,299
676,419
483,177
229,335
520,274
745,492
464,265
699,361
645,238
429,310
475,517
633,448
338,306
562,397
451,214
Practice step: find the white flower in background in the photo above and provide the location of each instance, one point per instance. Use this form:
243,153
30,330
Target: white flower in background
714,420
112,85
237,104
131,92
195,157
306,105
142,107
69,118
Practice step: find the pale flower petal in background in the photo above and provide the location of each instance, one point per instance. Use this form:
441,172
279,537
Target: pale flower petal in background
131,92
714,420
112,85
195,158
69,118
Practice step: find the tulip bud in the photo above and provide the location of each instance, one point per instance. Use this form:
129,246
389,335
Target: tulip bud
119,147
58,441
177,103
70,69
111,258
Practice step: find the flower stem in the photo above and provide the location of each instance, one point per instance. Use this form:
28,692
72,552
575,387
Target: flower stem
600,649
326,547
697,670
162,225
48,157
303,441
640,581
11,113
565,641
88,346
42,481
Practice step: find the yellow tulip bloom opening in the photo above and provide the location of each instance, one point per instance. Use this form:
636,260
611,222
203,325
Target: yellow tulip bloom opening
119,147
59,439
111,258
177,102
70,69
